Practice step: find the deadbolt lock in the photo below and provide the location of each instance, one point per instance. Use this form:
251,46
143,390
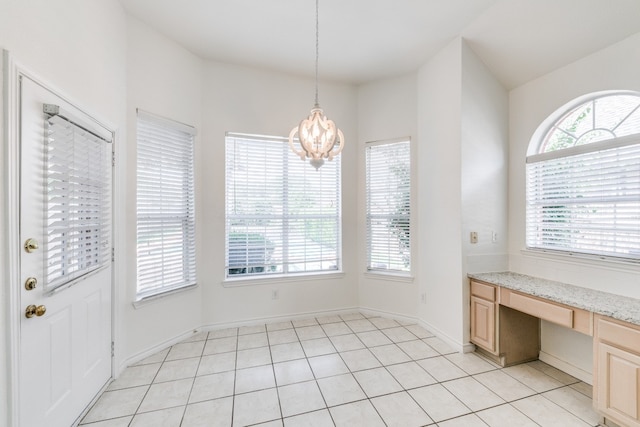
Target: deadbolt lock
31,245
30,283
32,310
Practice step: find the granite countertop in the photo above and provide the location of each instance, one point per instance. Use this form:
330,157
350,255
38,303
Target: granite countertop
615,306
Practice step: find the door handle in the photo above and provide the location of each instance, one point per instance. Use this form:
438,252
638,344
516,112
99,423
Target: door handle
31,245
32,310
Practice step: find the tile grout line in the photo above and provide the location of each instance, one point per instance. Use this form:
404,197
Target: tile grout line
307,357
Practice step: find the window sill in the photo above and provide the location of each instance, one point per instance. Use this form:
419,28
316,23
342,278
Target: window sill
617,264
154,298
262,280
391,277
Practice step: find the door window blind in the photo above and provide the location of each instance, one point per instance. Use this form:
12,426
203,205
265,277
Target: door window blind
77,202
388,206
282,216
165,206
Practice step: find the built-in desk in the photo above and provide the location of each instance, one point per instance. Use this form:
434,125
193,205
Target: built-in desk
506,309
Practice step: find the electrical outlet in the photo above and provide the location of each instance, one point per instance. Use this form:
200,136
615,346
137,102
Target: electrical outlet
494,237
473,237
423,298
275,294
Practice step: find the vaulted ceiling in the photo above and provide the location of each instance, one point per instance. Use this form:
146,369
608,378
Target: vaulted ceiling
365,40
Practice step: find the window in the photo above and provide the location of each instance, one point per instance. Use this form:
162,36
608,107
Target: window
282,215
165,206
388,193
77,198
583,183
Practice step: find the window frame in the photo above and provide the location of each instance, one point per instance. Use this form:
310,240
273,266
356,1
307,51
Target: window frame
171,144
290,161
571,155
390,273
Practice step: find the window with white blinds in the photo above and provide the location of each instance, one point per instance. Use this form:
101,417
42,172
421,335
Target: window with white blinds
388,204
282,215
583,186
77,201
165,206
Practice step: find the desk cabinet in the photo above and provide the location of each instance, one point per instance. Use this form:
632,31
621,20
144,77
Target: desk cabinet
483,316
504,335
505,326
617,371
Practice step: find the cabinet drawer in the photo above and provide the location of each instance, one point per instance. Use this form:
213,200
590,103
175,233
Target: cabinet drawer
481,290
621,336
544,310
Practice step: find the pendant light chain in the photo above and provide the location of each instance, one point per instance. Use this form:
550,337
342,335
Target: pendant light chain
317,49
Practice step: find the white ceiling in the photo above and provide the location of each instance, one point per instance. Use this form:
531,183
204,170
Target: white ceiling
365,40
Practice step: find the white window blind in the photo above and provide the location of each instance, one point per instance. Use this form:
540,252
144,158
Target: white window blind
78,202
583,186
587,202
388,204
165,205
282,216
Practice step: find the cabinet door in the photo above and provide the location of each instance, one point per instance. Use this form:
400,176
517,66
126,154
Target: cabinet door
483,323
618,384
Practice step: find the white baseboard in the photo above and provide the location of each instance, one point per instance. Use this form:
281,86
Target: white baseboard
451,342
224,325
397,316
570,369
457,346
274,319
132,360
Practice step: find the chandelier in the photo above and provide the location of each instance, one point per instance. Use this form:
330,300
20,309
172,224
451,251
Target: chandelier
319,138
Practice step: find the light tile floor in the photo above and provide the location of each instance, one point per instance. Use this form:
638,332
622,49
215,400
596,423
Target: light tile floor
349,370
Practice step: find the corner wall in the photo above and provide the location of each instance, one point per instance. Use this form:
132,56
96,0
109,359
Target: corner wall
462,123
439,186
484,171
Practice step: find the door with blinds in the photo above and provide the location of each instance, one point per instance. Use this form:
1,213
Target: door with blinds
66,258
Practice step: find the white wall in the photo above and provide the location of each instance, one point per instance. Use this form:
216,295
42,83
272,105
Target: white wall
485,148
79,48
462,155
246,100
484,172
387,109
439,189
616,67
164,79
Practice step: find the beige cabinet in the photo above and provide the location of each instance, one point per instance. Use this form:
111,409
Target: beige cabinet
617,371
504,335
483,316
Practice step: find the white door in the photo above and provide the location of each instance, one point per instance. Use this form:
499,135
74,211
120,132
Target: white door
65,343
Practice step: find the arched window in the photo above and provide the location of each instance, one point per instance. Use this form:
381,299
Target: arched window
583,179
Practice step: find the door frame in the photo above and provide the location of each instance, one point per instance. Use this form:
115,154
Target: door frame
12,72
